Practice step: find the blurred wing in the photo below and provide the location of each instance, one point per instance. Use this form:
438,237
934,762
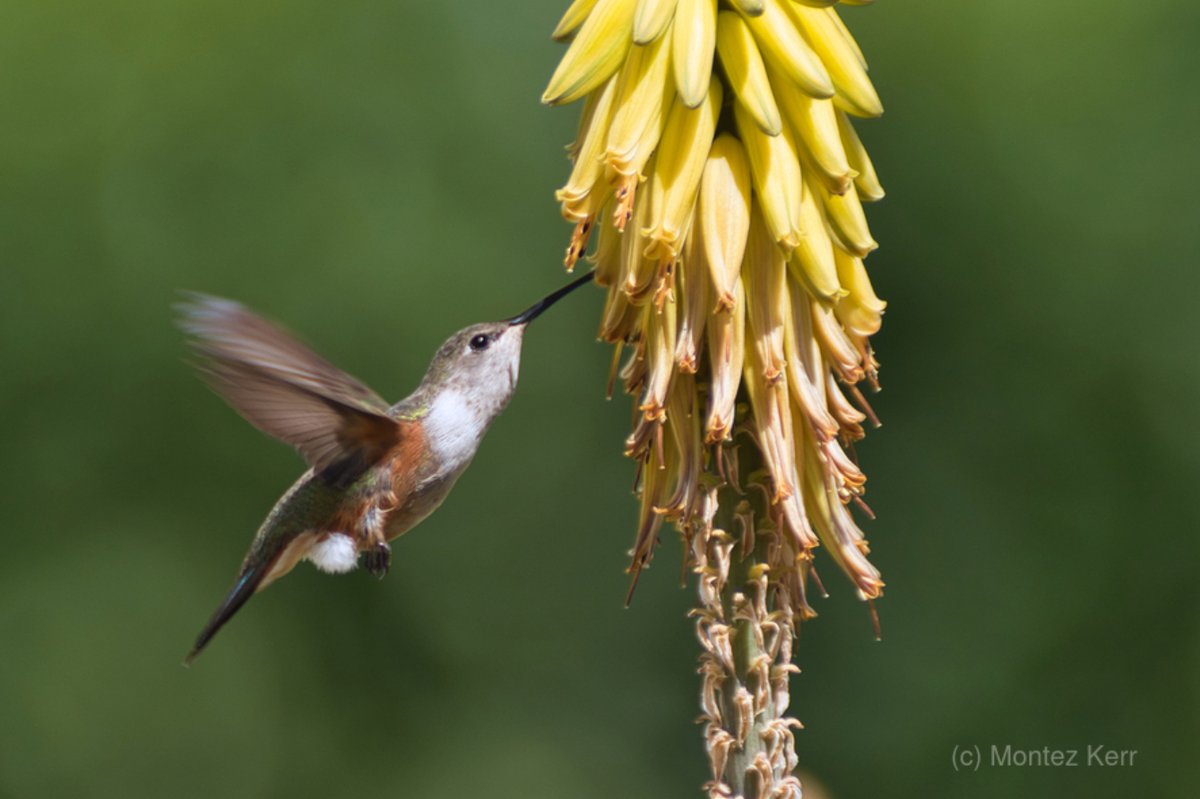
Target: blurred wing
283,388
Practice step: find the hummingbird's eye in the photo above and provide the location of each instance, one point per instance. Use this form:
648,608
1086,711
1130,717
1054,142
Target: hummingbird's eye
480,342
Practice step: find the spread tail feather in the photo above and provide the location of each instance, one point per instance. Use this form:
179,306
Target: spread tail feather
242,590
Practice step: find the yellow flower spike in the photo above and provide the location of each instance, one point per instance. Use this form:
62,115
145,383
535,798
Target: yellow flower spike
867,183
683,150
651,19
813,262
855,92
737,291
726,333
847,224
776,175
693,279
814,124
572,19
861,313
766,295
751,8
595,54
723,214
782,45
588,170
639,103
746,73
694,36
659,329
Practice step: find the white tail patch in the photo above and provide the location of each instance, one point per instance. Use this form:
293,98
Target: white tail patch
335,554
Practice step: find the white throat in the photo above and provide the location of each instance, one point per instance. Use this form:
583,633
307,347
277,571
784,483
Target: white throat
454,427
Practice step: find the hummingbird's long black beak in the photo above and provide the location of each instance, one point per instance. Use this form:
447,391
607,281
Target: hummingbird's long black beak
535,310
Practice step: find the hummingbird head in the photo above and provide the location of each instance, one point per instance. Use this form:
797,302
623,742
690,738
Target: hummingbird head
473,375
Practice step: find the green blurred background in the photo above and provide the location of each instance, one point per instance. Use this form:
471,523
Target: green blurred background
378,174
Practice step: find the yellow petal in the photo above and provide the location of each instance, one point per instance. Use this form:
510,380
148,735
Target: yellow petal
746,73
693,280
775,434
595,54
783,46
814,123
574,16
806,375
588,171
723,214
683,426
812,262
838,350
867,183
658,327
766,294
620,318
694,35
607,256
683,151
639,104
638,272
726,353
855,93
776,173
847,223
861,311
842,538
651,19
751,8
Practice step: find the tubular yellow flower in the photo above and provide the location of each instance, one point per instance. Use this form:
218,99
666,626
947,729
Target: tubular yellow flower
651,19
693,37
598,49
640,100
726,354
841,57
813,262
572,18
723,215
867,182
736,283
814,121
746,73
694,307
784,47
677,172
776,172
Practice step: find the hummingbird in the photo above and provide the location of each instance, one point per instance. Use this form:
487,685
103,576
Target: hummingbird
375,470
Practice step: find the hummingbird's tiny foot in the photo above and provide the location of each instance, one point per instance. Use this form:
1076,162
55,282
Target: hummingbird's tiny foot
378,560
